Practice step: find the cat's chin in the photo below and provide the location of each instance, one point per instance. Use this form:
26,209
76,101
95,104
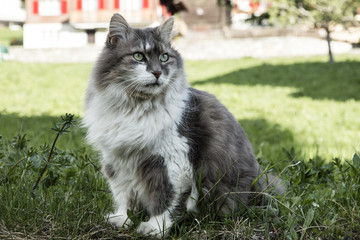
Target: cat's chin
148,92
154,84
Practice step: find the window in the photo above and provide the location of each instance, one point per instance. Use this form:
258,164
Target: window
90,5
49,7
131,4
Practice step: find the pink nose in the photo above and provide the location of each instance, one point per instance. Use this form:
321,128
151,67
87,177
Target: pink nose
156,74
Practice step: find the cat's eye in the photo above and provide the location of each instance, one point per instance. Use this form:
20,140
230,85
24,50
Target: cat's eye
164,57
138,56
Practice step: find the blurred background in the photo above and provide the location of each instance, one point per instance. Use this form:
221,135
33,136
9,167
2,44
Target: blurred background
274,27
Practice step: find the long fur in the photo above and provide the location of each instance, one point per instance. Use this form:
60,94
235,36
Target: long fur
158,137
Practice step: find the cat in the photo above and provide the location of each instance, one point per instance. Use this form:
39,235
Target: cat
160,138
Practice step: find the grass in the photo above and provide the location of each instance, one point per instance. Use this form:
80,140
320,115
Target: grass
7,36
293,110
304,103
34,95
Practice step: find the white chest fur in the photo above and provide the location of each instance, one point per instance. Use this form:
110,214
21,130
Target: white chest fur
114,126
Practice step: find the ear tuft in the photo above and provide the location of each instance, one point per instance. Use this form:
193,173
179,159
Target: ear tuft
119,28
166,28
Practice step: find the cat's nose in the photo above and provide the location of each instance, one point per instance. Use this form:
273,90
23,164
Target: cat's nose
156,74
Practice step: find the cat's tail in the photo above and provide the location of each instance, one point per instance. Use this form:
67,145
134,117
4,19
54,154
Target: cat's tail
266,186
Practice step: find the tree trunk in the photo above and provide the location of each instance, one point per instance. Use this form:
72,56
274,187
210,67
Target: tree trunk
228,9
328,38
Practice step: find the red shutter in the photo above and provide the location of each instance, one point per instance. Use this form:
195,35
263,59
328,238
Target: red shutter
116,4
35,7
145,3
78,4
165,12
63,6
101,4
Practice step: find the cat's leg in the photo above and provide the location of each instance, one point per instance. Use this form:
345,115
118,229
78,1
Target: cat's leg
167,198
192,199
157,197
121,193
158,225
120,218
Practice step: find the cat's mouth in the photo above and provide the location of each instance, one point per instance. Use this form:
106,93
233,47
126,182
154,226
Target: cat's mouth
153,84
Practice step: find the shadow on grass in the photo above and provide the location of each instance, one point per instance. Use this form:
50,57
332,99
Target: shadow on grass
339,81
38,130
269,141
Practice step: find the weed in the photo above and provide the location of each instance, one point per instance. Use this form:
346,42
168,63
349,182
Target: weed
60,129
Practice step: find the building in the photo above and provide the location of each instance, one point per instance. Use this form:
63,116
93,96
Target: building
210,14
204,15
76,23
12,12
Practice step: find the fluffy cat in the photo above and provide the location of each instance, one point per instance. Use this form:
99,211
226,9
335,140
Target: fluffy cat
158,137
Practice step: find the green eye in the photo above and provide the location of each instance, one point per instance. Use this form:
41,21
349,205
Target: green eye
164,57
138,56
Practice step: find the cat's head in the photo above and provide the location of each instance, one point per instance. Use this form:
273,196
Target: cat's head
140,63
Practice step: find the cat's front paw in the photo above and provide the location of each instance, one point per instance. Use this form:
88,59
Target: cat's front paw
156,226
147,228
119,220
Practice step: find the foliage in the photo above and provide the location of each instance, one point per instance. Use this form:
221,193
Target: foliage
325,13
318,13
284,12
66,199
60,129
321,196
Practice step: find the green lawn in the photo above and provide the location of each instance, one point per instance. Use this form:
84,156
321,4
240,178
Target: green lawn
304,103
7,36
293,110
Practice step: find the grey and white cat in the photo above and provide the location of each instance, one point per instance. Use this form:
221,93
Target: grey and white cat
158,137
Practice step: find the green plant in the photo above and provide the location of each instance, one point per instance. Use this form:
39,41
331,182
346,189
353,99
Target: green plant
71,196
325,14
60,129
322,198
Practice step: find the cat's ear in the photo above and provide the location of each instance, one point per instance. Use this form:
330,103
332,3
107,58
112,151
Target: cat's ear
119,28
166,28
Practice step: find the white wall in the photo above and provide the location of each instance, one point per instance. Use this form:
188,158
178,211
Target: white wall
53,35
100,38
11,11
